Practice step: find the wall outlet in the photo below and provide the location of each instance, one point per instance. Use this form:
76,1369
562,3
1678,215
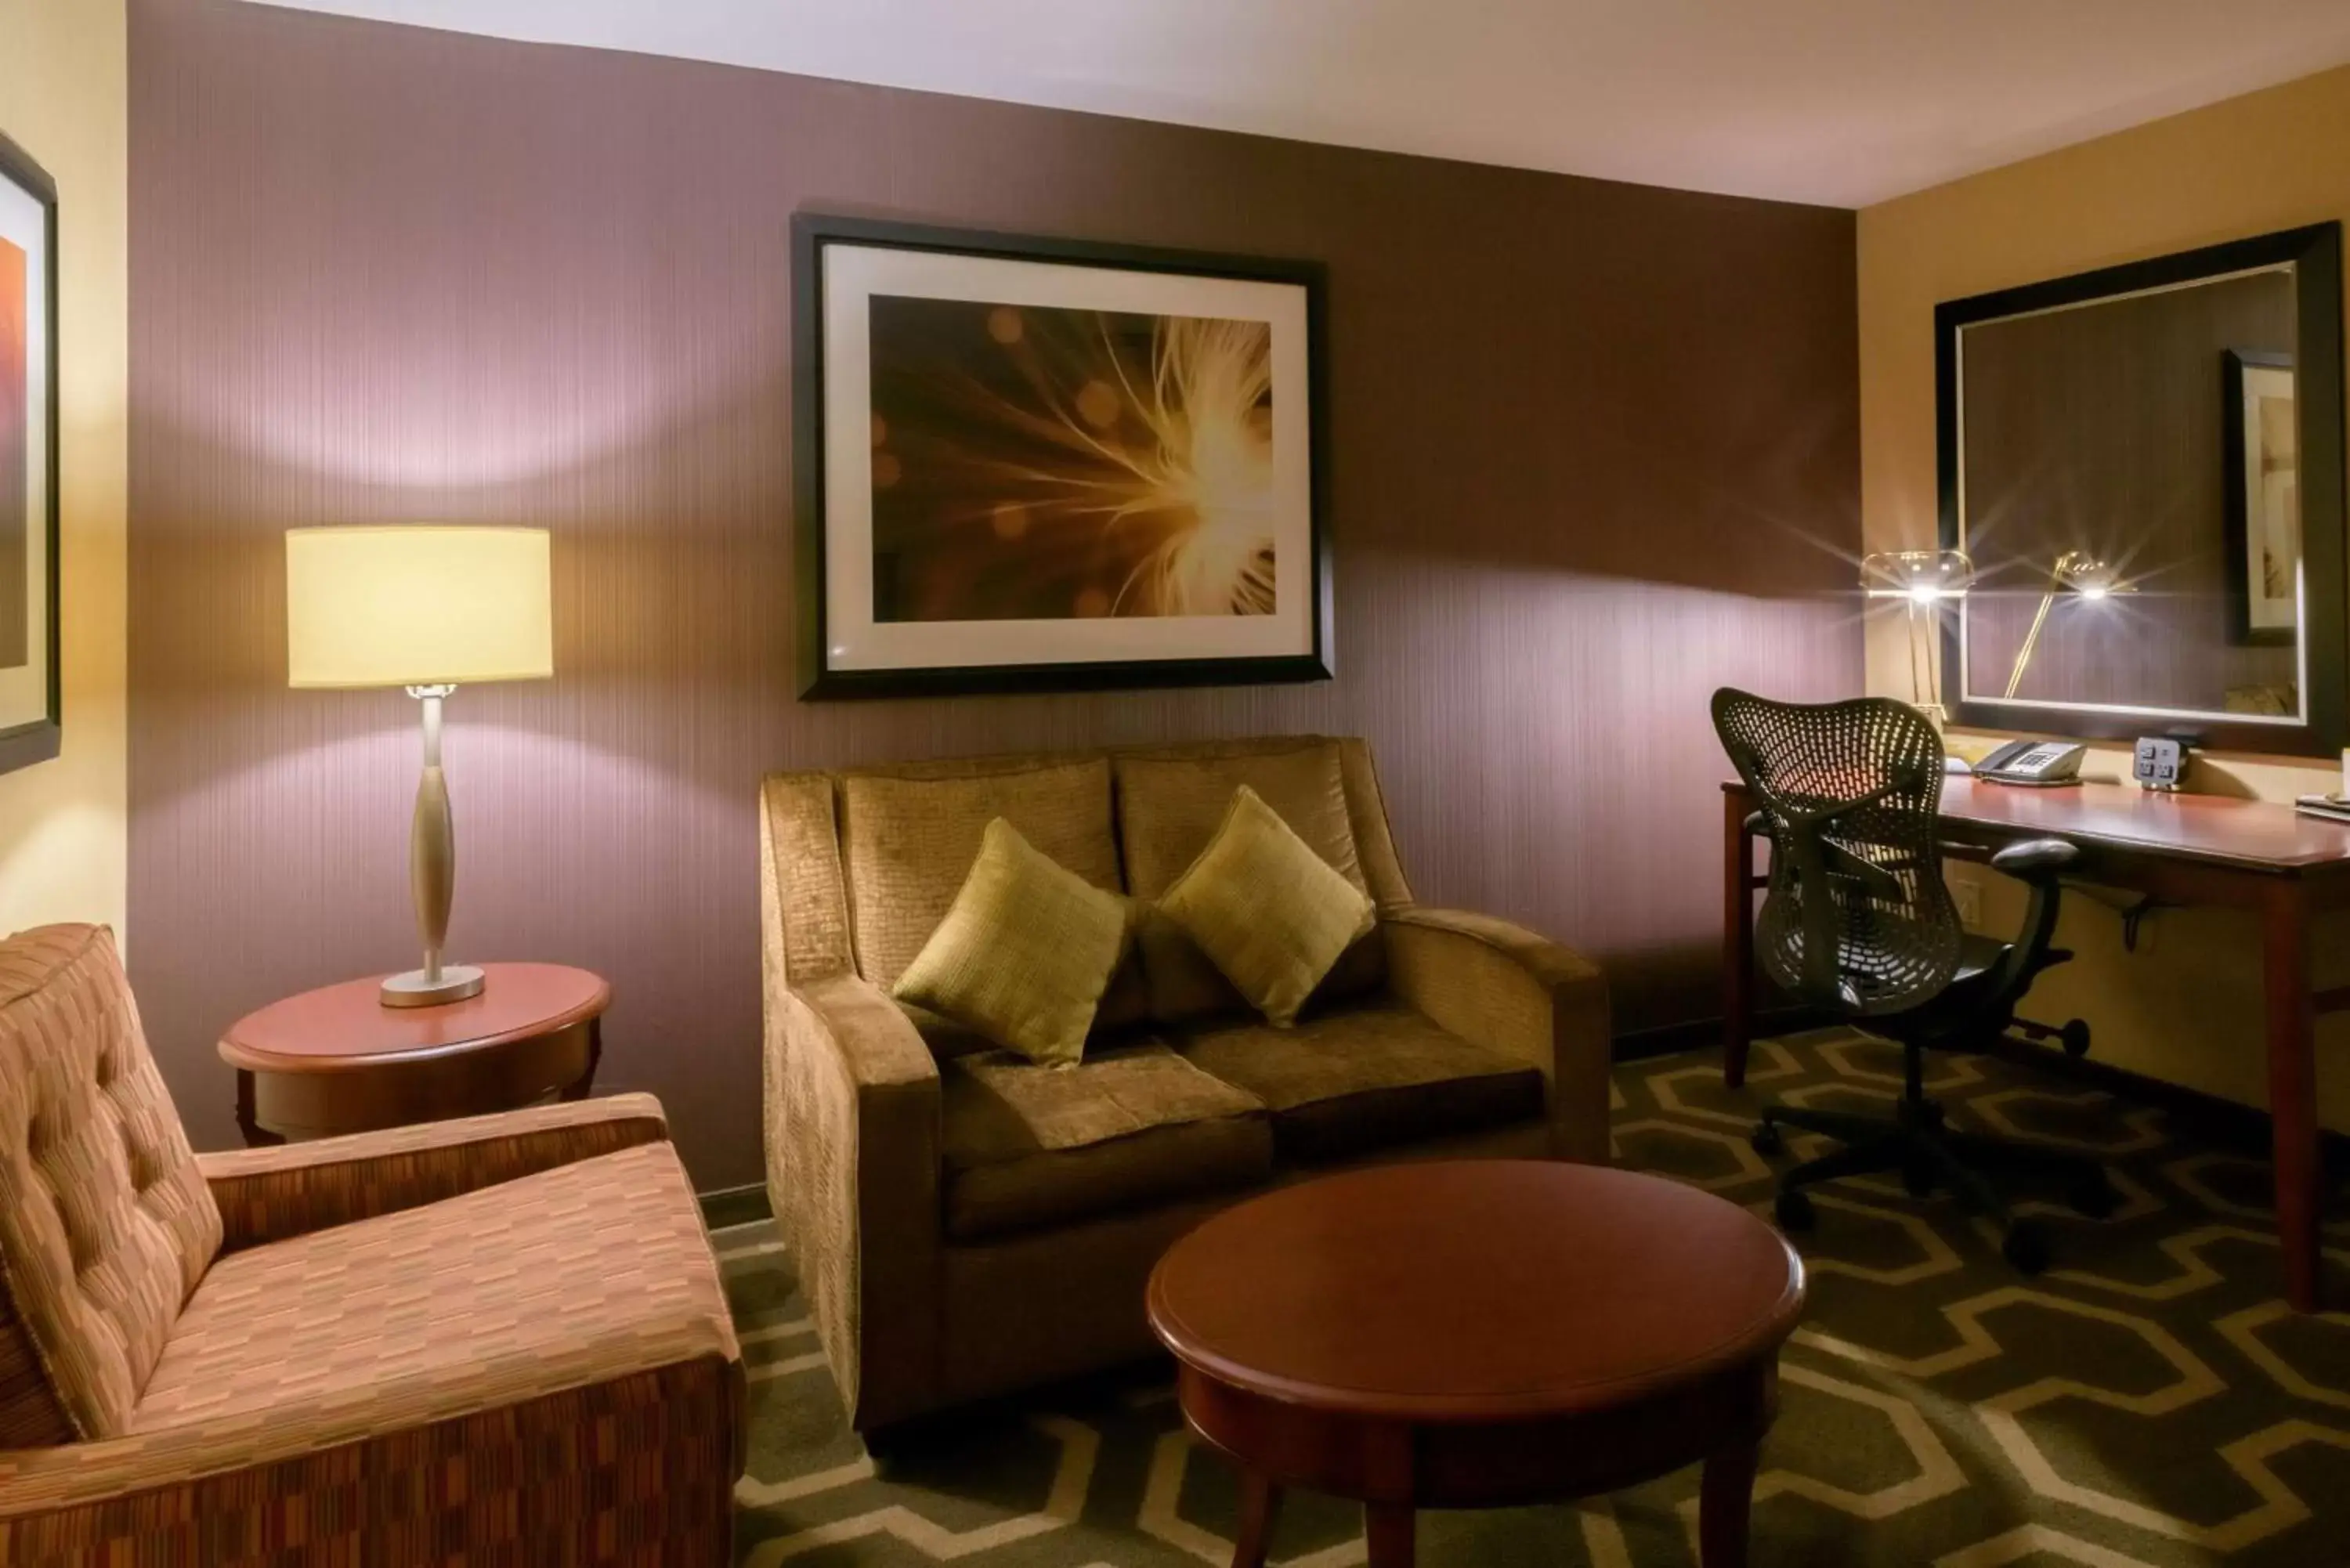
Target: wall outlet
1967,894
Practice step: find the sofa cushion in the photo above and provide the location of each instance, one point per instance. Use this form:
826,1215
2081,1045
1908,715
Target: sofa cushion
1027,1145
1269,913
106,1224
908,842
589,1272
1369,1077
1170,805
1023,954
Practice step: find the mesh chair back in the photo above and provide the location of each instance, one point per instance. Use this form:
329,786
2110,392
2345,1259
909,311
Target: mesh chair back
1856,916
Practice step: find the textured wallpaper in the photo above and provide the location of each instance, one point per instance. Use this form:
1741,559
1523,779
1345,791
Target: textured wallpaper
1593,452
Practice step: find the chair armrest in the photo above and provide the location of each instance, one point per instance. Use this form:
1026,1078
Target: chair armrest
557,1446
854,1105
269,1194
1501,986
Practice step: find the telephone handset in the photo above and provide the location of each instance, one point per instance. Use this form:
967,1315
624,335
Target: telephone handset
2044,764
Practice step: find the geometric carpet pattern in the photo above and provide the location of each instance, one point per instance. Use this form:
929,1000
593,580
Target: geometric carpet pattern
2147,1403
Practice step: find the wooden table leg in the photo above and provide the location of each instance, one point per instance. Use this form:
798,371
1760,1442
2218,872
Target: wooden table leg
2292,1084
1723,1501
1737,937
248,1121
586,1083
1389,1530
1260,1502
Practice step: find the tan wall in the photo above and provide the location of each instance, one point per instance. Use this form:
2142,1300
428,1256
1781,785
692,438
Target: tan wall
63,838
2187,1007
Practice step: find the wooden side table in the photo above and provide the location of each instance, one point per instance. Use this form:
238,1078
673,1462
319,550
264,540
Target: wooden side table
335,1059
1480,1335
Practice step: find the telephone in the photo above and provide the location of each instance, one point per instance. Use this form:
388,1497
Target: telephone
2041,763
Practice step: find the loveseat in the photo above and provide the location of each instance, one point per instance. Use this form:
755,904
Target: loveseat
966,1222
497,1340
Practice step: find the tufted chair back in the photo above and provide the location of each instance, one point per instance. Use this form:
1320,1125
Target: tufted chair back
105,1223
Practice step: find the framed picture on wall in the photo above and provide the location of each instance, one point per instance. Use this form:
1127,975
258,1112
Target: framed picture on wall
29,716
2263,497
29,675
1032,464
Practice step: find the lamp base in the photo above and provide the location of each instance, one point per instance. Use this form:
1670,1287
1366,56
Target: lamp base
455,982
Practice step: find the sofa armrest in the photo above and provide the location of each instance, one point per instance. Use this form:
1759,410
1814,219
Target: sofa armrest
269,1194
1505,988
853,1112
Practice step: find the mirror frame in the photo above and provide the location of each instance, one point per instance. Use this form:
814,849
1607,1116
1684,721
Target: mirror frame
2315,253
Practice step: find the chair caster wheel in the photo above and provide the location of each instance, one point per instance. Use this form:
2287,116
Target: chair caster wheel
2074,1038
1795,1210
1766,1140
1917,1181
2025,1247
2093,1198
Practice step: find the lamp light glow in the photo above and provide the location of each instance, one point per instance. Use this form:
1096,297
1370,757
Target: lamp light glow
2088,576
1921,576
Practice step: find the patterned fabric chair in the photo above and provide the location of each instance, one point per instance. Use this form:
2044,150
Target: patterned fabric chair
499,1340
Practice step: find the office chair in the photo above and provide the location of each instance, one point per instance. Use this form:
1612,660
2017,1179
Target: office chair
1858,918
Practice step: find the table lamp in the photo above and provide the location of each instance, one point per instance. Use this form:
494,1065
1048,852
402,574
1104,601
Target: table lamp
1924,580
427,607
2077,572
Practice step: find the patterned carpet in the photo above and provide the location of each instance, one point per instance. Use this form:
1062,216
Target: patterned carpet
2149,1402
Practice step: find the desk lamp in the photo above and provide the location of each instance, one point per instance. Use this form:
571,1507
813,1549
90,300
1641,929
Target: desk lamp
2076,571
1924,580
425,607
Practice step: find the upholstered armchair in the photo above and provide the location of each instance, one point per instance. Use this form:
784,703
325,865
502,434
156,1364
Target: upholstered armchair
495,1340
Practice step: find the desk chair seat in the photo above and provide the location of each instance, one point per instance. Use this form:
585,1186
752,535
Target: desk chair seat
1857,919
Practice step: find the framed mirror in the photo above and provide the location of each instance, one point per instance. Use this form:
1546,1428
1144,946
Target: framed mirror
2145,465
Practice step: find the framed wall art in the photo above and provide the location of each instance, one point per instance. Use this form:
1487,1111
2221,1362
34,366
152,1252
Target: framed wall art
1032,464
29,687
2263,497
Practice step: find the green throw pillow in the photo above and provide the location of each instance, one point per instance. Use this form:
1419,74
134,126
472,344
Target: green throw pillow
1266,910
1024,953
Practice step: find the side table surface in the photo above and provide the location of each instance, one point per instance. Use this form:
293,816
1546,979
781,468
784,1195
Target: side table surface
345,1026
335,1059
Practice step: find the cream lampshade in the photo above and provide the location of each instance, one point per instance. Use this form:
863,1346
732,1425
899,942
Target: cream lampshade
426,606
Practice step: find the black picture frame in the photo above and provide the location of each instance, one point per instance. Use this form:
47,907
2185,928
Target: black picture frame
2236,499
2315,253
810,234
38,739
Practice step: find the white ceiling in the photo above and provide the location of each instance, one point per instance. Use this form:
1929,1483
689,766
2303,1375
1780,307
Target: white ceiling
1839,101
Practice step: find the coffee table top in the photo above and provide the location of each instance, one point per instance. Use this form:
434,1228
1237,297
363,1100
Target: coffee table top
1475,1291
346,1027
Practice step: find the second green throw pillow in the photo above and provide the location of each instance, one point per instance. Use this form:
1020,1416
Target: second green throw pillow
1266,910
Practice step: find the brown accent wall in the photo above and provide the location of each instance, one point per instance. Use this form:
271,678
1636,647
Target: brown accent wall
1593,449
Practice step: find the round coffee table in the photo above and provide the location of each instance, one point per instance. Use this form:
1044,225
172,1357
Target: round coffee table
336,1060
1480,1335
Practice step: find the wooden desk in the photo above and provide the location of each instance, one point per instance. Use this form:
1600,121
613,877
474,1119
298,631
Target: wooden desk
335,1059
2257,856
